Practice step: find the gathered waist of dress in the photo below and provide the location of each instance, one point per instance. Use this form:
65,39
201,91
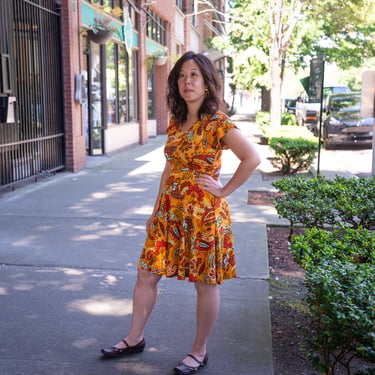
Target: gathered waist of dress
189,173
183,174
181,170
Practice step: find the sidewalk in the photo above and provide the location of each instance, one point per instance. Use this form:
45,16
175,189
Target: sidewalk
68,253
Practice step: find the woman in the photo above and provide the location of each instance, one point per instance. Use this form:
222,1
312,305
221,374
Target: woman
189,233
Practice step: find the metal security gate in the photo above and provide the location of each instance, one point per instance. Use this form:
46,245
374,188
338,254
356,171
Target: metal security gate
31,97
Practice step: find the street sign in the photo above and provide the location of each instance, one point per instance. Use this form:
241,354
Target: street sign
316,93
316,80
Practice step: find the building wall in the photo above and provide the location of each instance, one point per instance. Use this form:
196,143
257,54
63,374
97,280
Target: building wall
162,113
73,116
165,9
123,135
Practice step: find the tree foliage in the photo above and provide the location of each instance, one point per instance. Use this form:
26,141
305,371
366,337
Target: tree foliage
347,31
267,35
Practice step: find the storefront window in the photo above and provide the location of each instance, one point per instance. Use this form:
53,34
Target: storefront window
111,79
150,88
156,27
179,4
133,87
118,85
96,100
123,71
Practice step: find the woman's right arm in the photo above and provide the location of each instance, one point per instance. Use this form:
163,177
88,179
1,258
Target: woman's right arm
163,179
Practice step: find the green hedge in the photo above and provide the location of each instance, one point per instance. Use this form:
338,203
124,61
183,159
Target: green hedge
341,299
263,118
288,119
344,244
294,154
288,131
340,282
339,264
321,202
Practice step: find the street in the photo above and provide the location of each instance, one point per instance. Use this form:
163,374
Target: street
350,161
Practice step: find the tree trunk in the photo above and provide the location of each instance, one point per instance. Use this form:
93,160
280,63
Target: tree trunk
266,100
275,8
282,23
275,84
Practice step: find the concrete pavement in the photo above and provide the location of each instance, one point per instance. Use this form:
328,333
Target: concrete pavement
69,246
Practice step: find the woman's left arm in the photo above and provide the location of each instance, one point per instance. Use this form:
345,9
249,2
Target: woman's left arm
249,160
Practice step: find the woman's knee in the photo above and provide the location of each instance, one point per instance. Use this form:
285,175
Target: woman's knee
147,278
202,287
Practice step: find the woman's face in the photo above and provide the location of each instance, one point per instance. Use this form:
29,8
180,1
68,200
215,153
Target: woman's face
191,84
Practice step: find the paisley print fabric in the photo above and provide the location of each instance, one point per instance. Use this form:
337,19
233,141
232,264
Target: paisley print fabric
191,235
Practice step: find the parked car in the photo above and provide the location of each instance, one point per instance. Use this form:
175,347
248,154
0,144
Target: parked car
343,124
290,105
309,113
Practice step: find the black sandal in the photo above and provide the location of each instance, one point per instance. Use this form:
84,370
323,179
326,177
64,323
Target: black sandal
182,369
114,352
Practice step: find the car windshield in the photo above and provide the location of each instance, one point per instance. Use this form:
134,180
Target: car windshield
335,90
346,106
329,90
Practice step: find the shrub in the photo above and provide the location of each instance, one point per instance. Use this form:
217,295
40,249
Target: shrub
340,265
294,154
288,131
341,297
318,202
288,119
305,201
263,118
344,244
355,201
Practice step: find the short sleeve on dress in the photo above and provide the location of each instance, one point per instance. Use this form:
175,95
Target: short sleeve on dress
222,125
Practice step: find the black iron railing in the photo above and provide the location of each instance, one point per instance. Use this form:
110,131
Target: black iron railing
32,133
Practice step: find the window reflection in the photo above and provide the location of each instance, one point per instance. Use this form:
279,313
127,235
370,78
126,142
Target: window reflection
111,83
96,103
123,67
118,81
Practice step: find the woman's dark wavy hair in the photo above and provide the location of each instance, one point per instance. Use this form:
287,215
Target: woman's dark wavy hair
212,101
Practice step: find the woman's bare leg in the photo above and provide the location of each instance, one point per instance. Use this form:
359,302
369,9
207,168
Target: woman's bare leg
144,300
208,303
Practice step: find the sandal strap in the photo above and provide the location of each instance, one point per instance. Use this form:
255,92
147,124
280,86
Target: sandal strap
195,359
124,341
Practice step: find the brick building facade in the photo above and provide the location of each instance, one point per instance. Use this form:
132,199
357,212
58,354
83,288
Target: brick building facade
83,97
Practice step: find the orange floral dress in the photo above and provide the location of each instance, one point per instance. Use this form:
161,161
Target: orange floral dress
191,234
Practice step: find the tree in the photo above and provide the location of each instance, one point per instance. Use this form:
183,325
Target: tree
267,35
283,16
260,34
